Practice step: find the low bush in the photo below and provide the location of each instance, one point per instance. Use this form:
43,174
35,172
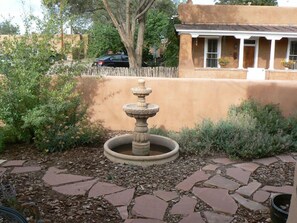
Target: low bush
250,131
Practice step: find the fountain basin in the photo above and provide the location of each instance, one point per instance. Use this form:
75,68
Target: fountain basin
163,150
133,111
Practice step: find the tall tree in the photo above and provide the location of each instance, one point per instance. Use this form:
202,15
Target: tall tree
8,28
246,2
128,20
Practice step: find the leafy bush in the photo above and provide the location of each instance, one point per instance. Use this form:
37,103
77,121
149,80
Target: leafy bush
158,131
251,130
47,110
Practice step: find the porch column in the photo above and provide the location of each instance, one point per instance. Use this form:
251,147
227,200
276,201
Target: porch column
272,50
272,54
241,49
186,64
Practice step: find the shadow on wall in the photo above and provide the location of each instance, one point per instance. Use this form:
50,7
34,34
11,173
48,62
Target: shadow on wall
281,93
92,89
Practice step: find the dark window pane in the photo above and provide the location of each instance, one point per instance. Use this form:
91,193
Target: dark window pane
212,53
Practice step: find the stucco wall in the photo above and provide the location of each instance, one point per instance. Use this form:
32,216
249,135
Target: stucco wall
235,14
183,101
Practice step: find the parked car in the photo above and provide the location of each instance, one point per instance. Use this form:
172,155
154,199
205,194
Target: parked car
113,60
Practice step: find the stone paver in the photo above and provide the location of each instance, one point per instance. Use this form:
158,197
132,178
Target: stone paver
211,167
286,158
225,161
2,171
166,195
222,182
190,181
26,169
102,188
55,177
218,199
239,174
13,163
79,188
213,217
284,189
122,198
193,218
149,206
2,161
249,189
251,167
143,221
123,211
266,161
249,204
261,196
185,206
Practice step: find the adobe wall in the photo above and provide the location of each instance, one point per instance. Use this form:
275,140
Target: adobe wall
183,101
235,14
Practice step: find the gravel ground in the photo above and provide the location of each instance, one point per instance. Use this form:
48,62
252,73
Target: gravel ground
57,208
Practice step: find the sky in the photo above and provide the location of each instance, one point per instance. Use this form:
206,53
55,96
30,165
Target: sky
16,9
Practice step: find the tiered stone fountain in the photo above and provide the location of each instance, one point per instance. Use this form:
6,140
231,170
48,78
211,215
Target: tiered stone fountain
141,148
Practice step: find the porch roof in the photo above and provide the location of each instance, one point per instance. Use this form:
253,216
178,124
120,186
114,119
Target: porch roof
270,31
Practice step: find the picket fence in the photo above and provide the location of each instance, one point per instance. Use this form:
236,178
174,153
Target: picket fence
169,72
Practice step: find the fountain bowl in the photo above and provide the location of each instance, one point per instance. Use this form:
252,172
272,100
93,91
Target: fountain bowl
163,150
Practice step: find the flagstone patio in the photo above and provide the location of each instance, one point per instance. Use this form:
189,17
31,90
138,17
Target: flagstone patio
222,184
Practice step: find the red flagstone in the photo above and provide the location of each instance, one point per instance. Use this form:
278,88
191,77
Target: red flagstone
261,196
143,221
26,169
249,204
2,171
251,167
239,174
283,189
122,198
190,181
222,182
165,195
286,158
211,167
193,218
14,163
249,189
218,199
102,188
123,211
149,206
184,207
224,161
54,177
266,161
213,217
79,188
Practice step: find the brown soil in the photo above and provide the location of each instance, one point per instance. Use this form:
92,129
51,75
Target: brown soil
57,208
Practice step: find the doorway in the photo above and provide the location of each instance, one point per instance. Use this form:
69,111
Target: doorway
249,56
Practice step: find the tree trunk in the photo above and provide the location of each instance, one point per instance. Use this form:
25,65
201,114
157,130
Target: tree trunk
140,40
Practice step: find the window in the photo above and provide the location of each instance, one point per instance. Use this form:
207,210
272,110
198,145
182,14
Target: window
212,53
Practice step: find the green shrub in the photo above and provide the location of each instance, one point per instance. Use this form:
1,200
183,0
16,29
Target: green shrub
39,108
158,131
250,131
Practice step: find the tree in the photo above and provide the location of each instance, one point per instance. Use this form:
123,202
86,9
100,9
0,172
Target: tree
246,2
8,28
126,19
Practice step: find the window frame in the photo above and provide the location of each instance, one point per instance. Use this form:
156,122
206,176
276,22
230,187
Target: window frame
219,39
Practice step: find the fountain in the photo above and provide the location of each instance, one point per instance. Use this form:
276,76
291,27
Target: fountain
141,148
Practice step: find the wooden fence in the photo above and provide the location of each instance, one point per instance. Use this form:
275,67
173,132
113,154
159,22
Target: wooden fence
170,72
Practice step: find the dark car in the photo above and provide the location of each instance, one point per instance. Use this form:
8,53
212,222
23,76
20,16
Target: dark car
114,60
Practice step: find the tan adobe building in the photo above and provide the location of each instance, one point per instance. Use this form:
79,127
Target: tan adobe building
221,39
